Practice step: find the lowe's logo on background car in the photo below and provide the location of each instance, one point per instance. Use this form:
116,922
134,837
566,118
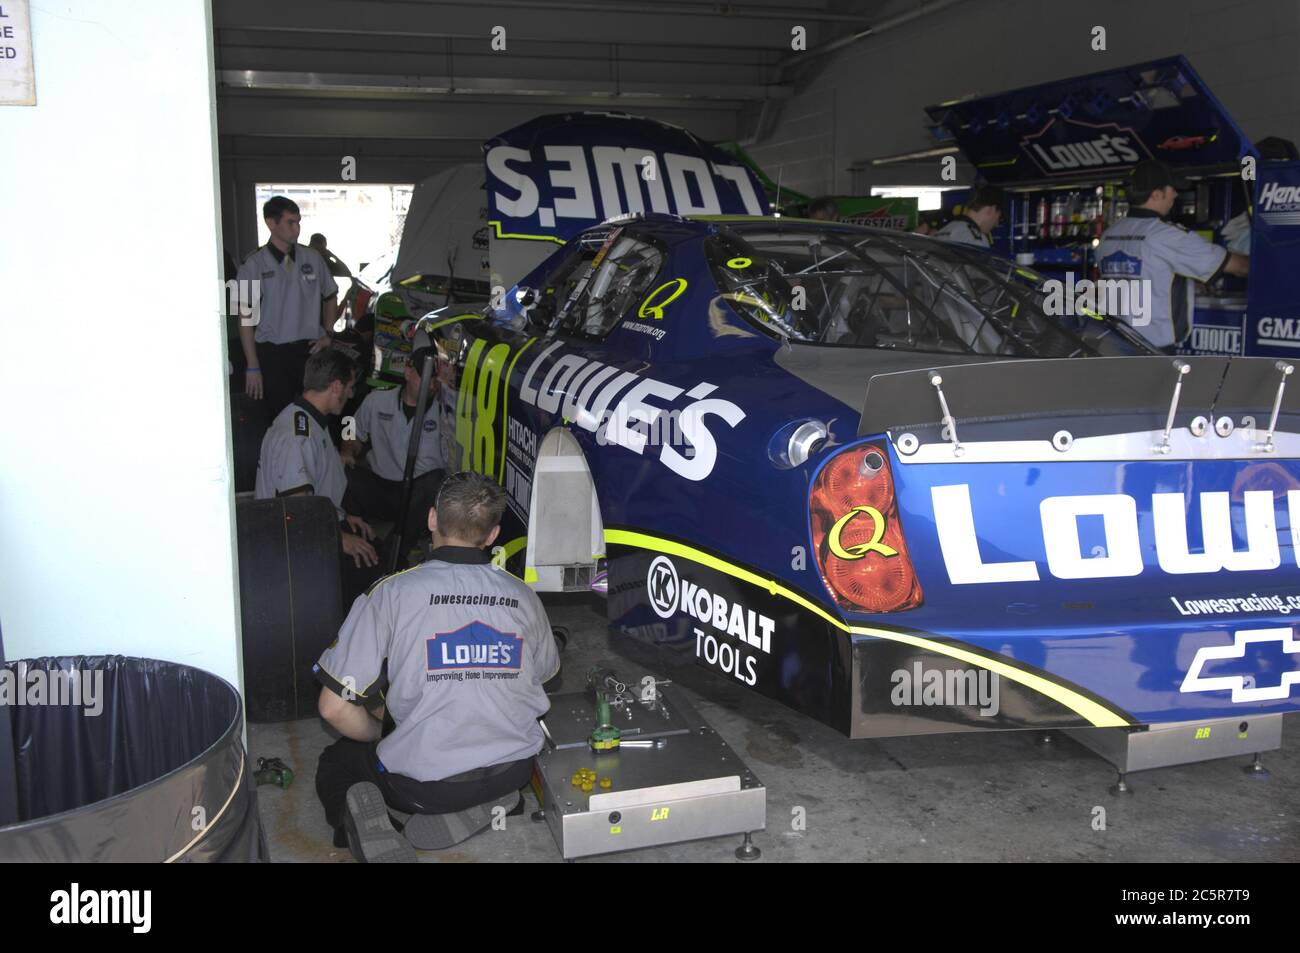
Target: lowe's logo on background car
1059,517
557,174
1090,146
1280,204
591,184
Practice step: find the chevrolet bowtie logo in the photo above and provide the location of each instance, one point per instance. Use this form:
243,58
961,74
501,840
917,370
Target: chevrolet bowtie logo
1196,682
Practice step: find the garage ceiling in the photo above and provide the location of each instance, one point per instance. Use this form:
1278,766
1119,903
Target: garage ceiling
409,87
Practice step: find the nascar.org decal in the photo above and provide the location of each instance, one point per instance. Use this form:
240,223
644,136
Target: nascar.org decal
1119,147
1280,204
1279,332
619,172
670,594
478,647
587,393
1059,519
1243,687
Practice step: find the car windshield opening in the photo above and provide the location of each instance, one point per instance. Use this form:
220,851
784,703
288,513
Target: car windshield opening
853,287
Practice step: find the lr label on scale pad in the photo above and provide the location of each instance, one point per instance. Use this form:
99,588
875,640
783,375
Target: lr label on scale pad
17,75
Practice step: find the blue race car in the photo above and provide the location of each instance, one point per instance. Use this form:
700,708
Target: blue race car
866,474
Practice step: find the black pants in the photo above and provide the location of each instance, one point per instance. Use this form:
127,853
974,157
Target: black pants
356,579
348,762
282,369
375,498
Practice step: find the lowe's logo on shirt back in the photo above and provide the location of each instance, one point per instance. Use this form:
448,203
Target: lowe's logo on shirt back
475,646
1120,264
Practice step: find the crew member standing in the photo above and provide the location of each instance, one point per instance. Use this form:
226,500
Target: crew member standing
981,214
294,305
383,435
1158,258
298,456
456,650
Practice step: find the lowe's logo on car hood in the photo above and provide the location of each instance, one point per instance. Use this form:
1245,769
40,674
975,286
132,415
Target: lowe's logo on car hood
1059,518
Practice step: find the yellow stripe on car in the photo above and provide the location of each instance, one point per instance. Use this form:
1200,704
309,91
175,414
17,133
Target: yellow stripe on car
1096,714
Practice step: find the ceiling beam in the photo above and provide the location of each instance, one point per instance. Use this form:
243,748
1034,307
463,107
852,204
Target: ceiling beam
381,86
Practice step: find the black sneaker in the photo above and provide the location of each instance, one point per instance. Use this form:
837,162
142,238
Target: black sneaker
371,836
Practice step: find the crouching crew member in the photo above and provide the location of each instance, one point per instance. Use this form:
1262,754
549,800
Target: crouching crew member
298,456
383,434
1157,258
975,224
457,650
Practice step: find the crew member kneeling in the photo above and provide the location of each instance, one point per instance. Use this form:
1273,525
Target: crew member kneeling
299,456
383,434
457,650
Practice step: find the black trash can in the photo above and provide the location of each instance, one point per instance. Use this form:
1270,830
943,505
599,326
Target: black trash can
127,760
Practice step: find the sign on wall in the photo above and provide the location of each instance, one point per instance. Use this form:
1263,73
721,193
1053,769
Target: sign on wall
17,74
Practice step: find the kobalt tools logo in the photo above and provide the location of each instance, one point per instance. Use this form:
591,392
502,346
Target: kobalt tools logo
1241,686
670,594
1089,146
1280,204
1059,517
1279,332
663,585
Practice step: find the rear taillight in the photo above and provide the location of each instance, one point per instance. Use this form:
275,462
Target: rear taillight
857,535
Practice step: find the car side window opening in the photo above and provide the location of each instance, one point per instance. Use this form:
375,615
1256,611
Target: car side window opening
803,284
593,300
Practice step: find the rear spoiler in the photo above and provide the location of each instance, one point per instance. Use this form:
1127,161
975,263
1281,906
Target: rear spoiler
1112,394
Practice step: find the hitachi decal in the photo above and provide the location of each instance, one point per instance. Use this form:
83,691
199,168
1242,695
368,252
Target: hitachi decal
614,405
1059,519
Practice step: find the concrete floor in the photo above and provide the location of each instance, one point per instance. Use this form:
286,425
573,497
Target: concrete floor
973,797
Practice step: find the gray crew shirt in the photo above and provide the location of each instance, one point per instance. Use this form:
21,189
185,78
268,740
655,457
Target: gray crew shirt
467,648
964,232
291,287
1156,258
299,456
386,423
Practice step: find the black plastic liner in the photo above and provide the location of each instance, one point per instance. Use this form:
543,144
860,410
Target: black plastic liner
160,774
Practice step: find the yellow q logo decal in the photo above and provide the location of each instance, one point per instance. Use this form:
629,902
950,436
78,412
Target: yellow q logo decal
861,549
652,307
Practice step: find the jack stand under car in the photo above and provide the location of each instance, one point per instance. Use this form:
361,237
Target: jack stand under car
669,778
